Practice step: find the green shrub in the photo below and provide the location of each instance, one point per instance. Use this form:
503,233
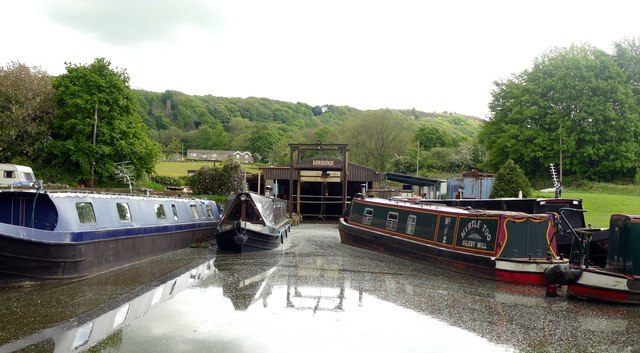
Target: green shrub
509,181
166,180
224,181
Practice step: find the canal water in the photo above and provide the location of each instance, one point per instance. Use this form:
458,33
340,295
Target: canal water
314,295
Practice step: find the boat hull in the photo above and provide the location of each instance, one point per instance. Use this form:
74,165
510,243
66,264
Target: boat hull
523,271
602,285
244,237
252,222
27,261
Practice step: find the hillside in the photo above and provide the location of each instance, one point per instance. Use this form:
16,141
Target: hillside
265,127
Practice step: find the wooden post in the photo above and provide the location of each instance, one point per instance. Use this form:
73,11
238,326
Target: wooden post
291,151
259,181
299,182
345,177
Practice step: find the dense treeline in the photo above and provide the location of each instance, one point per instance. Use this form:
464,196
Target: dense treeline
265,127
580,104
75,127
179,122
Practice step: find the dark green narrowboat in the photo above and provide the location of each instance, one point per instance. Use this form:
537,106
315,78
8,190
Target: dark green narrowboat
502,245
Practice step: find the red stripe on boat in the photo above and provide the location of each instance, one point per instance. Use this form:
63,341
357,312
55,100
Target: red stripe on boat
595,293
520,277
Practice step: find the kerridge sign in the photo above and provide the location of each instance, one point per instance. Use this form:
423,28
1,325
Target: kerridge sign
320,162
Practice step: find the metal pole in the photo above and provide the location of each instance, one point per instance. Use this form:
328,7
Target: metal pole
418,159
561,153
95,131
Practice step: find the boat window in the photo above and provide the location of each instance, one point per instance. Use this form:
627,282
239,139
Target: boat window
82,336
392,221
201,211
121,315
210,211
411,224
86,215
194,211
175,211
368,216
160,211
9,174
123,212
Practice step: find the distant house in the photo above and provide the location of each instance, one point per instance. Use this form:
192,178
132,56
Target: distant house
213,155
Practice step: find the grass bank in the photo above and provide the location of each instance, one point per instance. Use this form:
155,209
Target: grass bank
180,169
601,200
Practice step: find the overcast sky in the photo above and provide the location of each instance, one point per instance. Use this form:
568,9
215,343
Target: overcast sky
430,55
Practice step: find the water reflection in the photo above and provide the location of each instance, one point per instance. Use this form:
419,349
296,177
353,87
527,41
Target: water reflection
389,310
275,309
244,281
324,297
83,331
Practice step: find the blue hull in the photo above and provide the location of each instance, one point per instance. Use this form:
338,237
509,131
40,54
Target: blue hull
53,239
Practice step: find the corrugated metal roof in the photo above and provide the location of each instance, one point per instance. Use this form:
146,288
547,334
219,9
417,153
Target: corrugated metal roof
413,180
356,172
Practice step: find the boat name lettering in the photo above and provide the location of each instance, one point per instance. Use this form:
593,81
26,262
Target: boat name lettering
472,228
474,244
323,162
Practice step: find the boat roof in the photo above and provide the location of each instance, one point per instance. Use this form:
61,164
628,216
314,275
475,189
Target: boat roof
264,204
103,195
449,209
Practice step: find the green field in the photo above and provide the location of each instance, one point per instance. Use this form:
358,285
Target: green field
601,206
180,169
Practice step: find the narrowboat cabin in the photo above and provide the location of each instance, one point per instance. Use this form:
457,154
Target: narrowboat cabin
252,222
502,245
618,281
572,218
47,236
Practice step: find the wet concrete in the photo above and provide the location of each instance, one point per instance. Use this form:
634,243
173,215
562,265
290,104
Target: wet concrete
314,295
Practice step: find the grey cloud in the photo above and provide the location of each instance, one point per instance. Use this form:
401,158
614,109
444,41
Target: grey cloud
127,22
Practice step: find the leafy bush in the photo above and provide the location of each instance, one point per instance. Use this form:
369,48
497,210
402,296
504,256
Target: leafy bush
166,180
224,181
509,181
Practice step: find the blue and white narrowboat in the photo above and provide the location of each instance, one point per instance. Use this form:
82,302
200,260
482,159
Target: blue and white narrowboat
61,235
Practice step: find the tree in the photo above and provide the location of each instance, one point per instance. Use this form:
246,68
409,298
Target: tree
98,97
575,101
430,137
509,181
262,140
316,110
627,57
376,136
207,138
404,165
26,111
174,147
